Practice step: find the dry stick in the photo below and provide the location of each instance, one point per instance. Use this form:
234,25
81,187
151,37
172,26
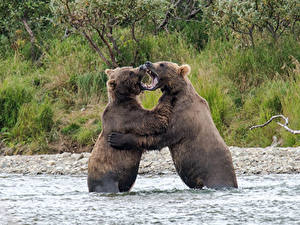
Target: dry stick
283,125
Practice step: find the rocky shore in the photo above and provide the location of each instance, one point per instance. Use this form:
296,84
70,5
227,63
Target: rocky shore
246,161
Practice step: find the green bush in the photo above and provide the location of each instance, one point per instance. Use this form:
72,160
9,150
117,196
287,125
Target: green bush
273,98
12,97
84,136
45,117
70,129
249,68
35,121
249,21
194,32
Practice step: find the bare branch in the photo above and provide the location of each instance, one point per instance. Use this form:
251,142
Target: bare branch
286,119
237,30
133,32
111,53
29,31
168,15
95,47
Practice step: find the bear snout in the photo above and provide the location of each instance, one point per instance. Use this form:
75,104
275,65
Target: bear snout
148,64
142,67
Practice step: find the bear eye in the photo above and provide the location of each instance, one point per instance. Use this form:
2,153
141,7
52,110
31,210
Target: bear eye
161,65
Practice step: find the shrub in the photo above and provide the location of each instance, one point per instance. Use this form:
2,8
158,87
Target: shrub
70,129
12,97
35,121
194,32
249,68
246,18
84,136
23,20
107,17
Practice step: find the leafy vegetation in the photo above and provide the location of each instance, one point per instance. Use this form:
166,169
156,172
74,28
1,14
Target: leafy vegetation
53,101
248,18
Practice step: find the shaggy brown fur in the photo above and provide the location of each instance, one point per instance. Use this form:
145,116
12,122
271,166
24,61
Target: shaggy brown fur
110,170
200,155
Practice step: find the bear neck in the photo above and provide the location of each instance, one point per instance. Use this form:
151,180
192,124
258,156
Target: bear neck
180,87
125,99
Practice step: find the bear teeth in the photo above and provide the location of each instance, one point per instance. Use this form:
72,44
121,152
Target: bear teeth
154,81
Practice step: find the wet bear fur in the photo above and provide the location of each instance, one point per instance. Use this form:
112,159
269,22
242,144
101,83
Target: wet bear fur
110,170
200,155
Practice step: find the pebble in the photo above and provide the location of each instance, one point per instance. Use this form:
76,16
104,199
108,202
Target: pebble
247,161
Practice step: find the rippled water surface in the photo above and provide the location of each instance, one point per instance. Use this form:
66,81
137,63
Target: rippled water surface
48,199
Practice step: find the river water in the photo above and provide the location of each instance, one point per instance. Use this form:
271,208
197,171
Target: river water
49,199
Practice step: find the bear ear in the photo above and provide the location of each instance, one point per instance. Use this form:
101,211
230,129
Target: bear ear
112,83
184,70
108,72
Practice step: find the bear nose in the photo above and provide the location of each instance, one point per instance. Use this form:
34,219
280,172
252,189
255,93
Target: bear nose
142,67
148,64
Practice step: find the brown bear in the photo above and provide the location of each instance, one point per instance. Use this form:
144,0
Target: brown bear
111,170
200,155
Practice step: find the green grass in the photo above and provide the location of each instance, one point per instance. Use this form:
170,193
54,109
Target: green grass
150,98
60,100
13,94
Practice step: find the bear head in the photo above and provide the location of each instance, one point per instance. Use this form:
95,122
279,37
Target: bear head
167,76
126,82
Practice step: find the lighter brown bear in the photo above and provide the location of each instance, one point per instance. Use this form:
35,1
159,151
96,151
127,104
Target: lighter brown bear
111,170
200,155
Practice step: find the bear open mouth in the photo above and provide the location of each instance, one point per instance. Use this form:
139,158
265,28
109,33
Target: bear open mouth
154,81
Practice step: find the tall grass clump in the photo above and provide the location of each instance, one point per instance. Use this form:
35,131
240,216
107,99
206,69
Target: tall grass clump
277,96
250,67
82,131
273,98
15,66
91,85
35,120
13,94
245,87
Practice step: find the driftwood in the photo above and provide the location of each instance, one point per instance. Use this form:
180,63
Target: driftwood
285,125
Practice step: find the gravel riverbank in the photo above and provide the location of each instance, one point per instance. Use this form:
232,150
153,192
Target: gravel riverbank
246,161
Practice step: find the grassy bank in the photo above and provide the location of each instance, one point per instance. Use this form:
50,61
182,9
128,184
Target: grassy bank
55,104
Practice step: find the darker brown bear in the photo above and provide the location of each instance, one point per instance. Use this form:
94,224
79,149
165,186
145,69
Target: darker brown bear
200,155
111,170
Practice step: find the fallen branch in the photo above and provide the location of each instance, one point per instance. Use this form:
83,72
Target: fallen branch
285,125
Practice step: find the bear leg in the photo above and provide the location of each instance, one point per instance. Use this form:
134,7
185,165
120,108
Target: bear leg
105,184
